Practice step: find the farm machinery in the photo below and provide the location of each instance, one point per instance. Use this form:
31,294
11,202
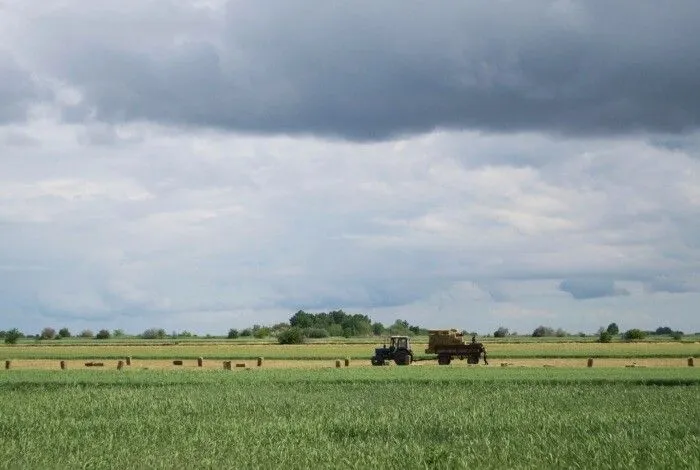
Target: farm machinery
399,351
446,344
449,344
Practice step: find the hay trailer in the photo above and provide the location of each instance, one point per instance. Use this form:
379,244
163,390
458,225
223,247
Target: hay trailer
399,351
449,344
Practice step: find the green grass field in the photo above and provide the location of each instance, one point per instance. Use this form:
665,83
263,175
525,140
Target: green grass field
414,417
248,350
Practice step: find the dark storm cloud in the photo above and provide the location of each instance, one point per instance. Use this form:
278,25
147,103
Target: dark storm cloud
591,288
370,70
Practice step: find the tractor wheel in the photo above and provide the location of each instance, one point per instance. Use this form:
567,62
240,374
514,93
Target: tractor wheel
444,359
473,359
402,358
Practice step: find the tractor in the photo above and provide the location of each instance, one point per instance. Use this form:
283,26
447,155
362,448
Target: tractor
399,351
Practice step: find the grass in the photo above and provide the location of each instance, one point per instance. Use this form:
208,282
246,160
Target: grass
251,350
352,418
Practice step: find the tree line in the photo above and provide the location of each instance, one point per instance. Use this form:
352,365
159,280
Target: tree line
336,323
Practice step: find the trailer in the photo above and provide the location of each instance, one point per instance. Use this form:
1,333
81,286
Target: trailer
449,344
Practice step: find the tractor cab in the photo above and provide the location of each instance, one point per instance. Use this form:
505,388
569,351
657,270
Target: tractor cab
400,342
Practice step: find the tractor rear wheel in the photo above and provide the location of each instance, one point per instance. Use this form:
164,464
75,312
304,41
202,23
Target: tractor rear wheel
444,359
473,359
402,358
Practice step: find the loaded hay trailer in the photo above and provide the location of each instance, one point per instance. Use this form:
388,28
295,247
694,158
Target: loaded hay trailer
449,344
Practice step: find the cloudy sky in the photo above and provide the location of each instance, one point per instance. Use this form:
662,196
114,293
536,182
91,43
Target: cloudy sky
207,164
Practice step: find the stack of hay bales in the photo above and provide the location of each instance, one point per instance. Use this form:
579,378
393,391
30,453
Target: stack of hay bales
444,338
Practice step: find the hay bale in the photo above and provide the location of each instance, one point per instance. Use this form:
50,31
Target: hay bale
240,364
63,365
691,362
8,364
260,361
94,364
227,365
177,362
347,362
200,361
128,360
120,365
337,363
590,362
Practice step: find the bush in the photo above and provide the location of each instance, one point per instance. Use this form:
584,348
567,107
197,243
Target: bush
677,335
293,335
64,333
86,334
316,333
605,337
232,334
12,336
613,329
102,334
262,332
118,333
501,332
47,333
247,332
154,333
634,334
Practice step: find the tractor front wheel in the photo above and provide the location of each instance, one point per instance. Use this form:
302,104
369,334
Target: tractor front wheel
377,362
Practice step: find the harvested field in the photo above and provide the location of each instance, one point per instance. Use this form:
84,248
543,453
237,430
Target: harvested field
216,364
251,351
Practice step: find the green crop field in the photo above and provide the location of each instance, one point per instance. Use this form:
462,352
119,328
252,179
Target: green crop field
394,417
247,350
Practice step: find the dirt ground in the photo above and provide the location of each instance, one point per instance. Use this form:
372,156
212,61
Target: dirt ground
160,364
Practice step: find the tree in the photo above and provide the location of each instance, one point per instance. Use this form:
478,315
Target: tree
541,331
377,329
634,334
293,335
501,332
86,334
118,333
560,333
246,332
604,336
232,333
663,330
47,333
64,333
154,333
103,334
613,329
12,336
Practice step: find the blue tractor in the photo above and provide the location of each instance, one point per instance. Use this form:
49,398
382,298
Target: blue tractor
399,351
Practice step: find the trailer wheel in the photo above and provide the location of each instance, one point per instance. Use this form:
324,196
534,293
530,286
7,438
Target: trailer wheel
444,359
473,359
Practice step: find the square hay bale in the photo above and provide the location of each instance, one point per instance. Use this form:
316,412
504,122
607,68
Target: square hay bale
94,364
240,364
177,362
227,365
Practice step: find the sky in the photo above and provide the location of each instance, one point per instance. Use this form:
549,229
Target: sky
205,165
